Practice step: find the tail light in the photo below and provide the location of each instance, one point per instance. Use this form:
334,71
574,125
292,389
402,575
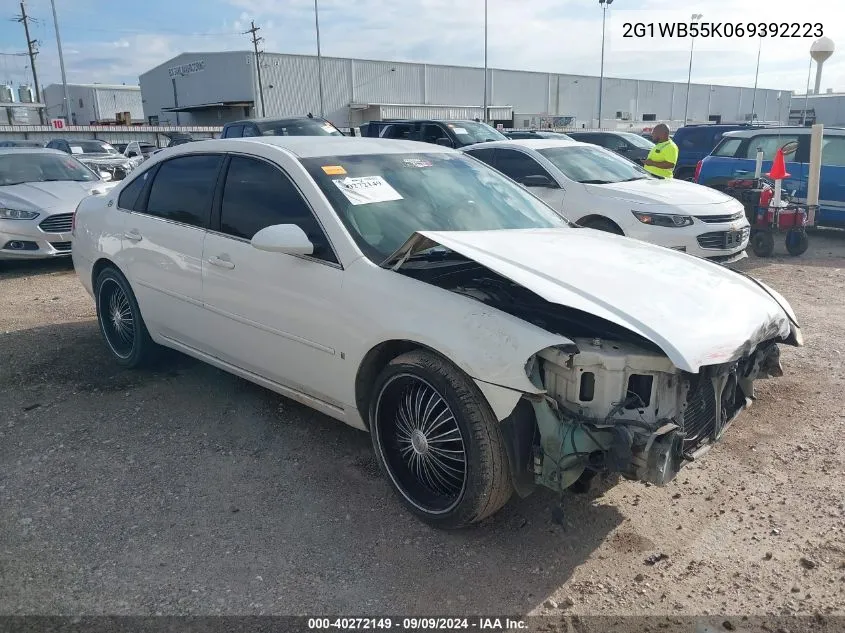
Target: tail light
697,171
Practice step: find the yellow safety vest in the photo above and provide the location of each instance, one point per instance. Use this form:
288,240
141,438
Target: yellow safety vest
665,151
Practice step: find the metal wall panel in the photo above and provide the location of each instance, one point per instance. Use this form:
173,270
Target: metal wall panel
830,110
526,92
387,82
450,85
112,100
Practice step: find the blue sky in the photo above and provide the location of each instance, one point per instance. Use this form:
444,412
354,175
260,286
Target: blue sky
111,42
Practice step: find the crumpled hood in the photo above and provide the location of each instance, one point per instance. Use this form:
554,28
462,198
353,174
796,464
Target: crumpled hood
104,159
660,191
59,196
697,312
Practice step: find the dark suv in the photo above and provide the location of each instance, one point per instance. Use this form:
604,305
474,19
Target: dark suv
632,146
697,141
293,126
447,133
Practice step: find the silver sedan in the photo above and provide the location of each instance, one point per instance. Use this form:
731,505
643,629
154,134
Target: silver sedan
39,192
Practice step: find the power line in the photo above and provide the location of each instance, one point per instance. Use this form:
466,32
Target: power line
255,40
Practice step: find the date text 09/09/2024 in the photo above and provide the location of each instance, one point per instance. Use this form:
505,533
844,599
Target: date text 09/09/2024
418,624
722,29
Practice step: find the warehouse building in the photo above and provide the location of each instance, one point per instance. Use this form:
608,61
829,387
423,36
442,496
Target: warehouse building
213,88
95,104
827,108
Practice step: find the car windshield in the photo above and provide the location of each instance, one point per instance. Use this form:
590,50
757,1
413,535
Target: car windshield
593,165
91,147
21,168
636,140
469,132
383,199
298,127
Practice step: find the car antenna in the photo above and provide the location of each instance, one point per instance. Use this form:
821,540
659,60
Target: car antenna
310,116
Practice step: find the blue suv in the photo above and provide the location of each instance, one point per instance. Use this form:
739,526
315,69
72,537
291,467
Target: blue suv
735,156
697,141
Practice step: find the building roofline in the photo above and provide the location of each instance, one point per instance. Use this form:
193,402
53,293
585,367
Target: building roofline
424,63
103,86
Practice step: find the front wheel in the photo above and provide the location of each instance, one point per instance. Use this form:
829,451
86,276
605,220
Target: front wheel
120,320
763,244
602,224
438,442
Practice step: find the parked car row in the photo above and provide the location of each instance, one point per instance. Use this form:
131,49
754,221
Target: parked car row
488,344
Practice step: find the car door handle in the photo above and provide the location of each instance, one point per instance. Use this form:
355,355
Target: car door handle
214,260
133,235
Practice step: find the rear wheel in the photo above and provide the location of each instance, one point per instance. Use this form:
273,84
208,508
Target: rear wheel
120,320
602,224
438,442
796,242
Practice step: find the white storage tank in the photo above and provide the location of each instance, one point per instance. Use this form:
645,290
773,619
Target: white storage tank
7,94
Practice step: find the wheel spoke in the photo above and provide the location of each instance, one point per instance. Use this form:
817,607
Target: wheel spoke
444,438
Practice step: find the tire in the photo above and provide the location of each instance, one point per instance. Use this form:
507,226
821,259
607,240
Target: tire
763,244
121,324
602,224
796,242
420,389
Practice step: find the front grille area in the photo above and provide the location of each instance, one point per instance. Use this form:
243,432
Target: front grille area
699,419
720,240
62,247
719,219
59,223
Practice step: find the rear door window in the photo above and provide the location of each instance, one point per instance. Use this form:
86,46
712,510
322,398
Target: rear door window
833,151
234,131
183,189
485,155
516,165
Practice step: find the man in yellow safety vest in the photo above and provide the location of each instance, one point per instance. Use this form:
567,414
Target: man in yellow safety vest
663,156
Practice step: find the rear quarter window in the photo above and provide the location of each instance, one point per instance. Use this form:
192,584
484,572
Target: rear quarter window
727,147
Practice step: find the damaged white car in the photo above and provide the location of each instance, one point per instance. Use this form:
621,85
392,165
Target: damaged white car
488,346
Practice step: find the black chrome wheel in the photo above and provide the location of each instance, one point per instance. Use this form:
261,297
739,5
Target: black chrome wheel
437,441
423,447
120,320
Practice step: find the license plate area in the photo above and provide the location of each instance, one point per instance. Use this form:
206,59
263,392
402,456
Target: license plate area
733,238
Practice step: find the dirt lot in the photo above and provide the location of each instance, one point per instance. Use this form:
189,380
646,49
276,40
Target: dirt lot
187,491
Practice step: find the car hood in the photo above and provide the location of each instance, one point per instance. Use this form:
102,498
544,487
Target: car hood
699,313
102,159
59,196
660,191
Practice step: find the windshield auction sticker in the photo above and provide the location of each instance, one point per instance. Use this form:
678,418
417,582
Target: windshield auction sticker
367,189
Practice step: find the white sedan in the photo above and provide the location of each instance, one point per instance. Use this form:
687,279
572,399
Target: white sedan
596,188
39,191
406,289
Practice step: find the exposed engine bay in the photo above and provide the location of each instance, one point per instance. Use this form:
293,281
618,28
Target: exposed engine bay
613,402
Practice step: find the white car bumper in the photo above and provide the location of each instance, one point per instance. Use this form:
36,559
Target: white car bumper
25,239
723,242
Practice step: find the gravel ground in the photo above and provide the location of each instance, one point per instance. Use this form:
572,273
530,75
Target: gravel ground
185,490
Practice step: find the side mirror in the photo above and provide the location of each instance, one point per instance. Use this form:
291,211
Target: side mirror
283,238
105,176
539,181
445,142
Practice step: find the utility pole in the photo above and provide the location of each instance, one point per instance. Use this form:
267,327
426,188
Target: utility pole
32,46
255,39
319,58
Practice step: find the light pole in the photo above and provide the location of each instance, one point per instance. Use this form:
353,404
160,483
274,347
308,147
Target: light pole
694,18
484,106
807,93
61,62
319,58
756,75
603,4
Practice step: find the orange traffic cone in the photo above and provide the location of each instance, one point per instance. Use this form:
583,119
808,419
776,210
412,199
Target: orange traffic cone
778,171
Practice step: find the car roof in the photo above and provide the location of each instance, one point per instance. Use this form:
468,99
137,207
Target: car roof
315,146
17,151
575,132
529,143
746,133
274,120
